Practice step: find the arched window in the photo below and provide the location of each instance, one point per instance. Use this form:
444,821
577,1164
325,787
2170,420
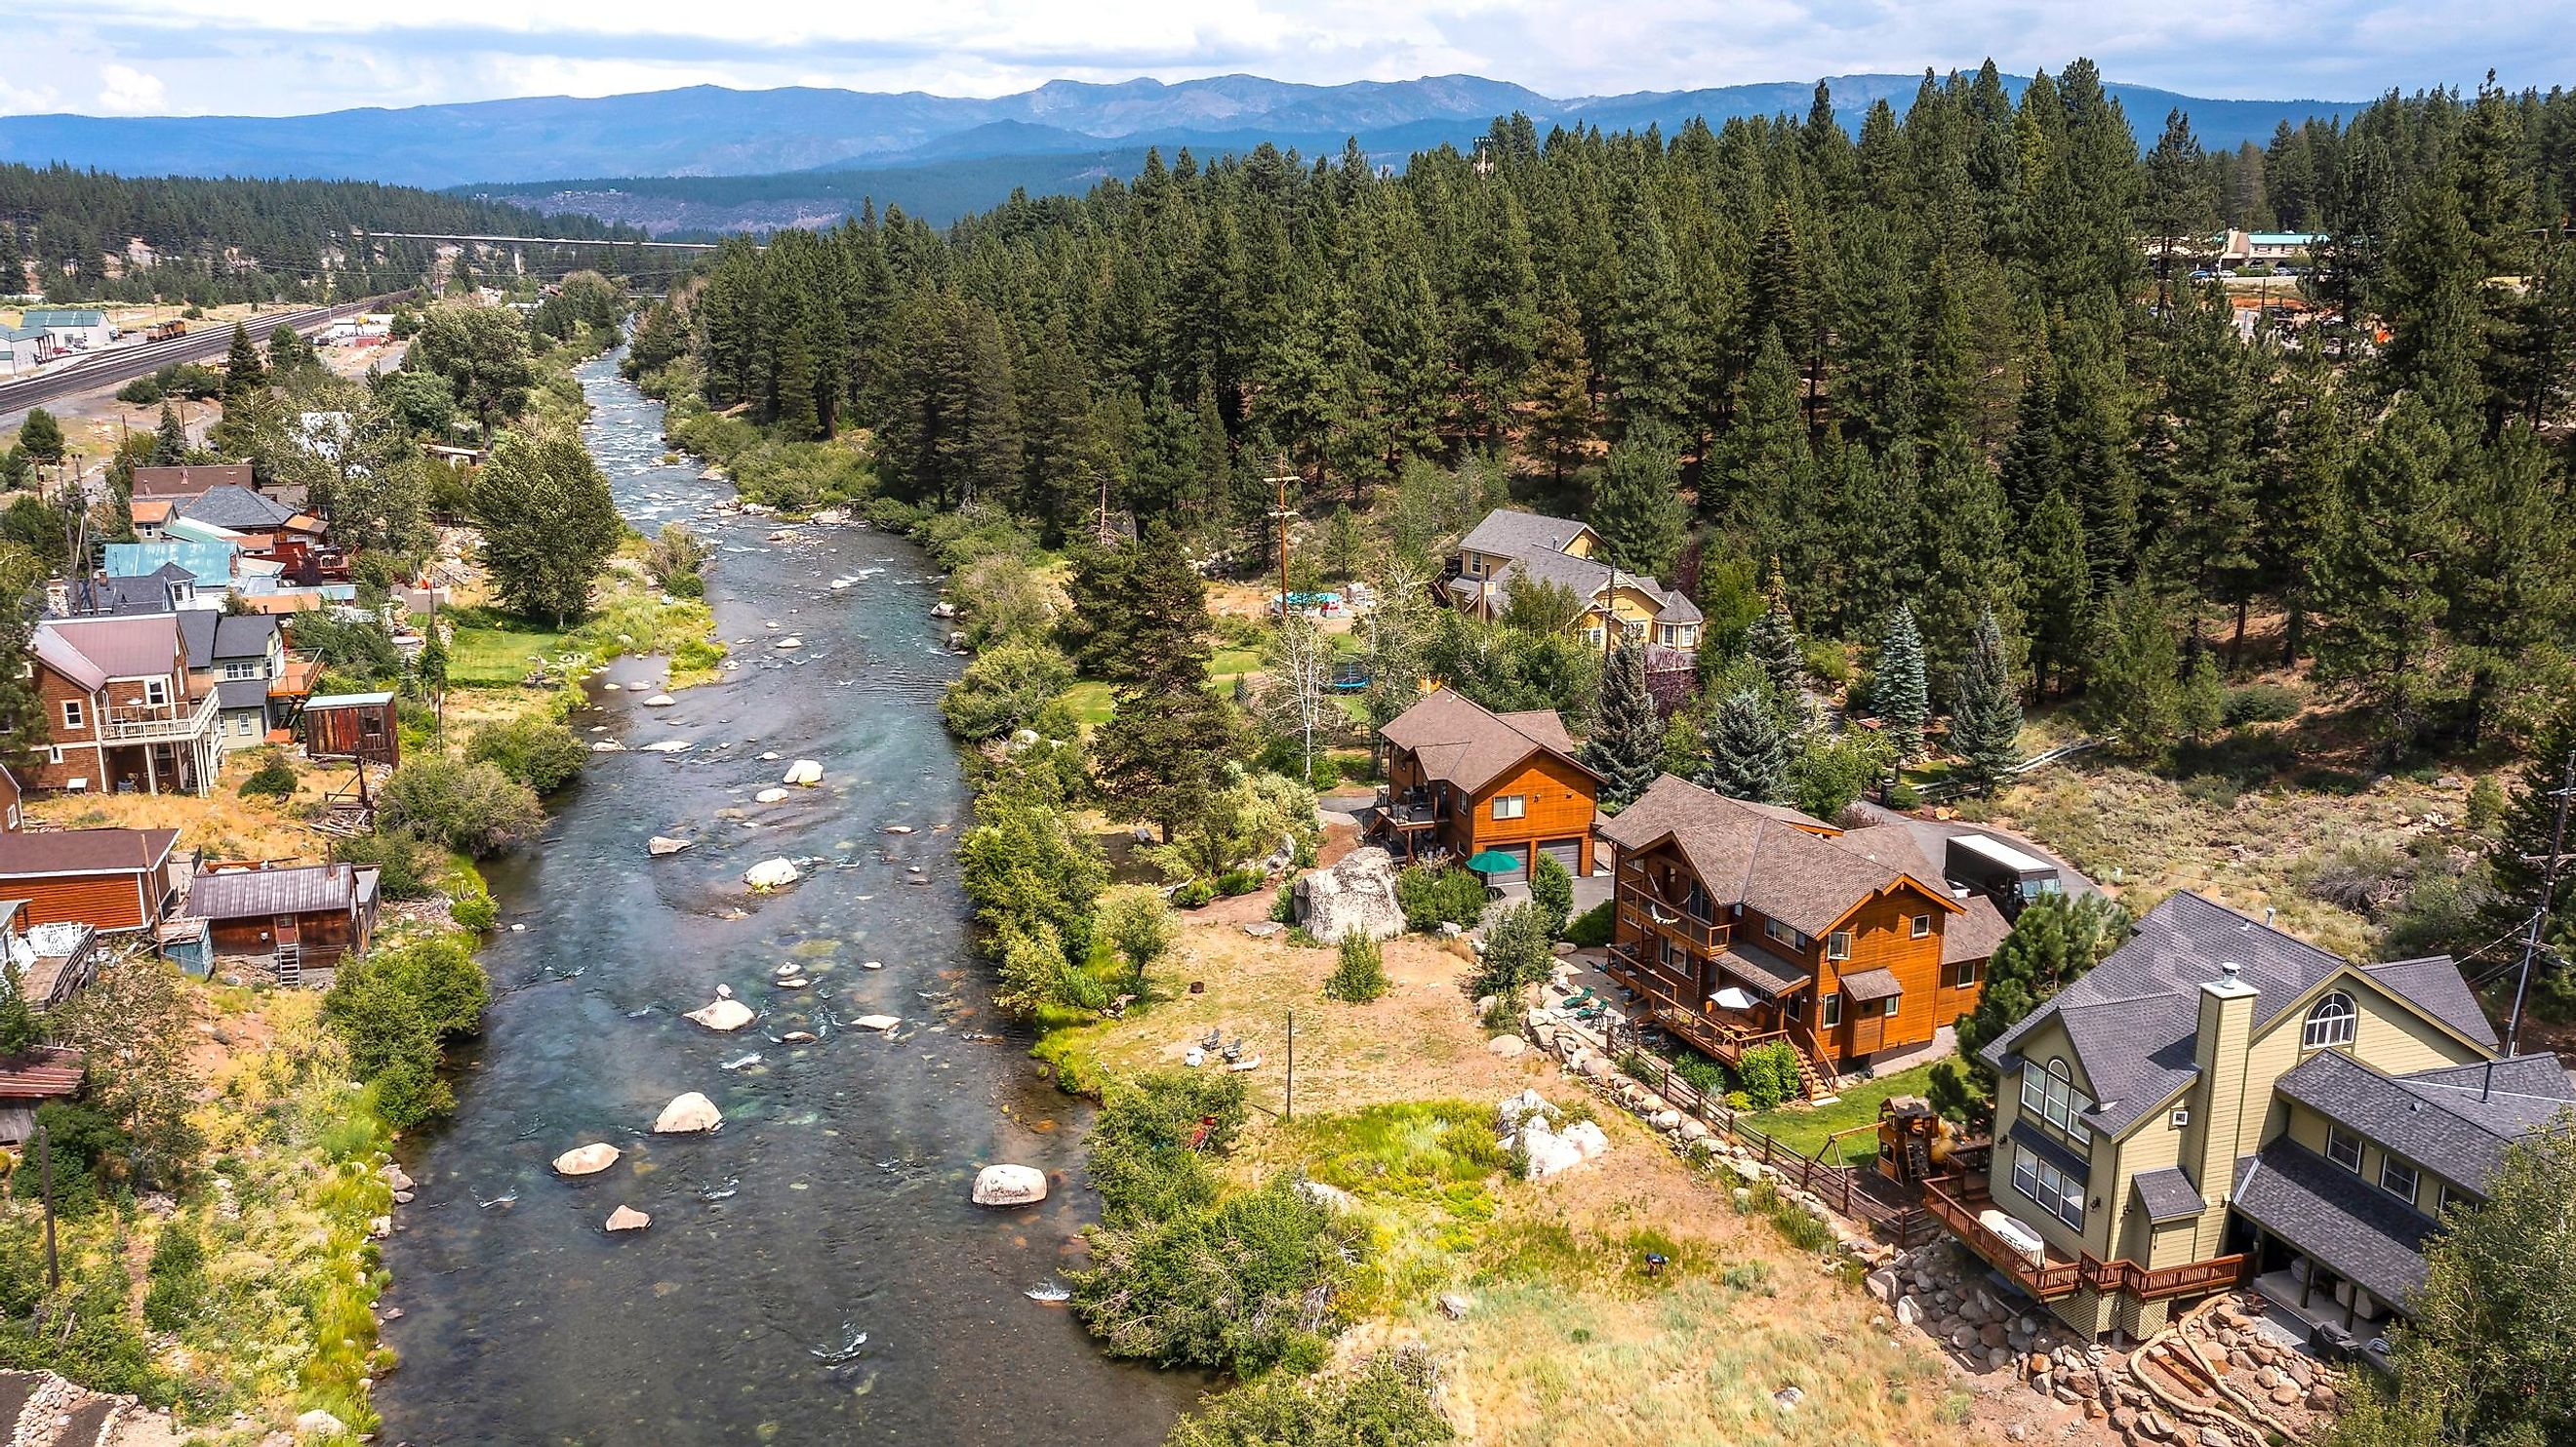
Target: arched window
2051,1095
2330,1023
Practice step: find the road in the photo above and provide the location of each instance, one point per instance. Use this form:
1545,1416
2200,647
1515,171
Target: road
113,368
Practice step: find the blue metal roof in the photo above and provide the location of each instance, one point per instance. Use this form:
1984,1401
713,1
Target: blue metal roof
211,564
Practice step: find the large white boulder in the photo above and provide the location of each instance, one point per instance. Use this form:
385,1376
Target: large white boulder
587,1160
627,1218
687,1115
1547,1153
770,796
1354,897
663,844
660,700
1586,1137
804,772
770,874
723,1016
1010,1186
877,1022
318,1423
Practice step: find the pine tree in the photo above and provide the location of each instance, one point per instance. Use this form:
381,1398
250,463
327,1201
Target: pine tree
1637,505
2054,940
2517,859
1773,642
169,440
41,437
1627,744
2378,571
1985,728
2057,592
2180,207
242,369
1168,738
1562,418
1900,691
1644,351
1748,755
2134,677
1766,446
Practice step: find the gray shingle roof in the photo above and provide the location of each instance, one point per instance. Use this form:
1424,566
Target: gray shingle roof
1511,533
2168,1194
1863,986
2132,1018
234,507
2360,1232
1772,974
242,693
1537,544
2442,1122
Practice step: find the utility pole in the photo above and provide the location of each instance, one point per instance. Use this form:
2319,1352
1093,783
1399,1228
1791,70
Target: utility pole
1282,514
2548,896
1288,1104
45,1171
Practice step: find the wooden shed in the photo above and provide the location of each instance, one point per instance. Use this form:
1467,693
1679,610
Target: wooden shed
30,1079
302,916
108,879
356,726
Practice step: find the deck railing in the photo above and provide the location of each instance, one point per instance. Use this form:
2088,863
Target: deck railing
145,723
2050,1279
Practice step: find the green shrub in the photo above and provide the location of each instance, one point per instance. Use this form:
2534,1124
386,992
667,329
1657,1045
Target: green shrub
474,910
1520,949
1283,909
394,1008
1431,897
405,862
472,808
1701,1073
1552,890
1361,976
1193,894
1004,689
1240,881
178,1279
1770,1073
1388,1403
274,778
1590,929
2261,703
1739,1102
1242,1286
537,752
2486,806
141,392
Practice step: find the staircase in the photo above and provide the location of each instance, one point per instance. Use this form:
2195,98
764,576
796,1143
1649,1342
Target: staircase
290,963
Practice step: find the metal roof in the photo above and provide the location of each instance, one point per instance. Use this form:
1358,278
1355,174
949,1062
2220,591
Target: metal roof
346,700
2002,853
128,645
84,851
190,479
44,1071
211,564
257,893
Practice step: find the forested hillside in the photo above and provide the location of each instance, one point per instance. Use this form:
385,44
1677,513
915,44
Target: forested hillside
86,236
1928,364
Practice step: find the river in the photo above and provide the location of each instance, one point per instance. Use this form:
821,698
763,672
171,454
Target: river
833,1202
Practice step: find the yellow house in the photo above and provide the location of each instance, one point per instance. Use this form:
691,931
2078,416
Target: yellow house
1510,545
2168,1125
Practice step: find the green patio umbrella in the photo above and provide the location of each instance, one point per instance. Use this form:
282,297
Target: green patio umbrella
1493,861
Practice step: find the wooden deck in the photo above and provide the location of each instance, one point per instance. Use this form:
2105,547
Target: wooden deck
1712,1034
1956,1202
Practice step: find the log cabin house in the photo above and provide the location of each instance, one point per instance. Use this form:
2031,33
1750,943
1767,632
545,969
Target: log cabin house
301,918
1463,780
108,879
1745,923
2218,1102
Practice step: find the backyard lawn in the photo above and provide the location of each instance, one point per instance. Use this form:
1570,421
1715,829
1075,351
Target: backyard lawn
1805,1129
489,649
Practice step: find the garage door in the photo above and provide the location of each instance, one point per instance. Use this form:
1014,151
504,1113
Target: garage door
1568,852
1519,872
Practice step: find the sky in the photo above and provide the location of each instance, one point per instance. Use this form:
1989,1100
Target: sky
285,57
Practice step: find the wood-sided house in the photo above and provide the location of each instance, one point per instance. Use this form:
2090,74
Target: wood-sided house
1746,923
1463,780
301,917
108,879
119,709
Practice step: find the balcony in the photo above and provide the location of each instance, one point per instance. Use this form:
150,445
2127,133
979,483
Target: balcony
295,680
1958,1201
1648,913
141,723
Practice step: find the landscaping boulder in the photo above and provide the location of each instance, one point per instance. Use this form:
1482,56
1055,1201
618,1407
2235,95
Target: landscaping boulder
1354,897
687,1115
1010,1186
318,1423
1507,1046
587,1160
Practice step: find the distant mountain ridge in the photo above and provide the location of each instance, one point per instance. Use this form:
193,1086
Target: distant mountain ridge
714,131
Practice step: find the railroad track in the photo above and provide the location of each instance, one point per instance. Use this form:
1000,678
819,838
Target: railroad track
100,371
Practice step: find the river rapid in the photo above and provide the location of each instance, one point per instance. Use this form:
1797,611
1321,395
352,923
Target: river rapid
814,1271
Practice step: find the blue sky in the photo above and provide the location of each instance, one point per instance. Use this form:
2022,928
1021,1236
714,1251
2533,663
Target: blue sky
277,57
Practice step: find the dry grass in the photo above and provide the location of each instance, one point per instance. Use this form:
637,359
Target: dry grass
223,824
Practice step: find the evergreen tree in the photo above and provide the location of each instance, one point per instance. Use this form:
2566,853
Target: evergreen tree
1772,641
1562,417
2516,861
2134,688
1627,744
1900,691
1637,503
41,438
1748,755
242,369
1985,728
2377,573
24,727
2180,199
1644,351
169,440
2057,592
2055,939
1163,752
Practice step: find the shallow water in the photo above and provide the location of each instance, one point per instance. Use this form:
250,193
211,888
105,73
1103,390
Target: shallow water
832,1205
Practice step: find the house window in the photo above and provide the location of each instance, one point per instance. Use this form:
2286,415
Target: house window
2343,1148
239,670
1838,945
2397,1178
2330,1023
1964,973
156,691
1475,565
1892,1002
1795,1007
2448,1195
2051,1189
74,716
1922,925
2051,1095
1830,1014
1669,632
1773,929
1511,806
245,724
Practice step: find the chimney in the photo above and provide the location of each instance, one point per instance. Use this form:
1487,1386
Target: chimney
2220,1131
2269,914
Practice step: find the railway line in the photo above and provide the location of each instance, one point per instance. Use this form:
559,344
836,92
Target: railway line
117,366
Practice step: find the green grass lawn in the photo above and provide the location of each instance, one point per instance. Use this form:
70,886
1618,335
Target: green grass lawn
494,650
1805,1130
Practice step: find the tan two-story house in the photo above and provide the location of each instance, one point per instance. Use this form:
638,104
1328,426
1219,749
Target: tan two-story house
2218,1101
1509,546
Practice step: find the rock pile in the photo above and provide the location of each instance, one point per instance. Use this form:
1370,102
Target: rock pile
1530,1129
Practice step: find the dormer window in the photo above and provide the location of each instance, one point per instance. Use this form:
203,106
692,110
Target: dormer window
2330,1023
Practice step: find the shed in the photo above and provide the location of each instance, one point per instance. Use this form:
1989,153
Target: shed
306,916
29,1079
356,726
108,879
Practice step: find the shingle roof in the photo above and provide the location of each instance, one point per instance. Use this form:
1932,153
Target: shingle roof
188,481
2437,986
228,506
2361,1233
214,636
242,693
255,893
2168,1194
1511,533
2131,1018
1772,974
136,645
84,851
2442,1121
1459,742
1750,856
1863,986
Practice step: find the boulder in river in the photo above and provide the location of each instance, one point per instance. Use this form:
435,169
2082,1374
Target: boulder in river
804,772
770,874
663,844
667,746
660,700
877,1022
723,1016
770,796
688,1115
1010,1186
587,1160
627,1218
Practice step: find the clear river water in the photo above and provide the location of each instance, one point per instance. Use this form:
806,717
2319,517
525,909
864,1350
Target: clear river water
814,1272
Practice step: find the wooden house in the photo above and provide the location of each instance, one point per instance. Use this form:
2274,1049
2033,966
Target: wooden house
1746,923
300,917
357,726
1463,780
108,879
10,801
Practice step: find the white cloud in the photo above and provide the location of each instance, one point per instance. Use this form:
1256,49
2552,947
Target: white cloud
131,92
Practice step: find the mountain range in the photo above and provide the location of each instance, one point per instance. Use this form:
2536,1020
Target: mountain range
713,131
